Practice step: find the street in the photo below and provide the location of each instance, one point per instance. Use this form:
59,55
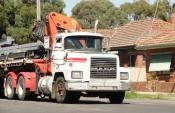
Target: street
88,105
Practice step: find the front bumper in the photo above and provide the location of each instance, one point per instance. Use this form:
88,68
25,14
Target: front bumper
98,86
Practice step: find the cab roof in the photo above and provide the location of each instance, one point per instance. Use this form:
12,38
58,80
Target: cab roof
79,34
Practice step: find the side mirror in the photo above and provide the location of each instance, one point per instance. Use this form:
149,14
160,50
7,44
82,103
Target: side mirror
46,42
106,42
58,45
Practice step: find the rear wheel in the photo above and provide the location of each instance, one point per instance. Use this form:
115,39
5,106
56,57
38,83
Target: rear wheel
21,89
116,97
9,90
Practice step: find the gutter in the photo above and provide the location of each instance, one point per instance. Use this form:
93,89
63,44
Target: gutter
158,46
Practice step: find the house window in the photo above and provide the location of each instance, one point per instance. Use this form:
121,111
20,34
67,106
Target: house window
132,60
160,62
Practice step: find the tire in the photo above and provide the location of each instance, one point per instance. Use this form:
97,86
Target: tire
21,89
62,96
116,97
9,90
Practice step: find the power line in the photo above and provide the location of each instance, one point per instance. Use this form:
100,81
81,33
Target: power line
155,13
157,5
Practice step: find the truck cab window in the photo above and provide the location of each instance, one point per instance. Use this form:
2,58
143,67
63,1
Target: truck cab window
83,43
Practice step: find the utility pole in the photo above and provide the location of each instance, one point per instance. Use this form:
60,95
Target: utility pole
38,10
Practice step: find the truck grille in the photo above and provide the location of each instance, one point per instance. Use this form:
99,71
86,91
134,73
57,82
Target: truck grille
103,67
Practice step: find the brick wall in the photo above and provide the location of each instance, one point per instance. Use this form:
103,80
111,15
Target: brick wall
125,56
153,86
170,77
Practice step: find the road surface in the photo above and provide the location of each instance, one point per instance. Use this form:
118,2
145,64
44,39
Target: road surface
87,105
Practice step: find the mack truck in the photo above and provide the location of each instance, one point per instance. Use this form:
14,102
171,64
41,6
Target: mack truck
64,64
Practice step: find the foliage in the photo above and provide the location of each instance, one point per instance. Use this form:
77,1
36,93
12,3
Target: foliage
109,16
17,17
103,10
52,6
141,9
138,10
22,32
163,9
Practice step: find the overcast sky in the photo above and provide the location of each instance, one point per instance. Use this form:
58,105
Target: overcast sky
71,3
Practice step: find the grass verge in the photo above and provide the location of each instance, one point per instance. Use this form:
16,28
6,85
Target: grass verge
137,95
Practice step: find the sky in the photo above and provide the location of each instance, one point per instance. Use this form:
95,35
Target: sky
71,3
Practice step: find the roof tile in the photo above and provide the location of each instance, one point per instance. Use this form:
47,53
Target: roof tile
141,33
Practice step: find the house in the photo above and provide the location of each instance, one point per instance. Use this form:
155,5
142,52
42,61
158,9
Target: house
138,44
160,56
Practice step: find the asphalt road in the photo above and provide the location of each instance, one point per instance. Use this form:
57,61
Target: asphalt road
88,105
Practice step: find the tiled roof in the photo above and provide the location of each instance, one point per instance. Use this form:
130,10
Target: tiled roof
140,33
105,32
163,40
131,33
165,37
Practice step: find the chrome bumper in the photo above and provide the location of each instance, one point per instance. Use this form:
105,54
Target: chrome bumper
98,86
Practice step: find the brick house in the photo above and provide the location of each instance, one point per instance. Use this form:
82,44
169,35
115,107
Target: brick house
124,40
160,58
160,54
146,47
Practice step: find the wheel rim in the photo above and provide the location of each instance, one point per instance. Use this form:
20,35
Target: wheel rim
9,87
60,89
20,89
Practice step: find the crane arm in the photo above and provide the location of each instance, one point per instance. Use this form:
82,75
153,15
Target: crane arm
56,23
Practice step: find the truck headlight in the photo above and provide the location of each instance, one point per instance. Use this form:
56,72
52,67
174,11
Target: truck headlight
124,75
77,74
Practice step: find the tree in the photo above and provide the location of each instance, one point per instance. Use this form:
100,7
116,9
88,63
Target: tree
141,9
137,10
17,17
52,6
86,12
23,19
173,8
163,9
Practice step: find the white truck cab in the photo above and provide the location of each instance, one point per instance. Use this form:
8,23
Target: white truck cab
86,68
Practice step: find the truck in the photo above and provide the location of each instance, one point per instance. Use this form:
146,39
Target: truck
64,64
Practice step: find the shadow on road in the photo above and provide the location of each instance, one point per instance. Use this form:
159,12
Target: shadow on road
2,96
95,102
82,101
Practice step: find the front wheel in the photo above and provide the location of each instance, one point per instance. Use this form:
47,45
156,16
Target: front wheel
62,95
116,97
9,90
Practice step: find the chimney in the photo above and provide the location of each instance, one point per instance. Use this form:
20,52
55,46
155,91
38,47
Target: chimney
172,18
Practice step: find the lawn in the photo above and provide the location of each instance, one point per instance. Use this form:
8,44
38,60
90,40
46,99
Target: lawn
154,95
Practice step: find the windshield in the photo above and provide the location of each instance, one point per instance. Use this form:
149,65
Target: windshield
88,43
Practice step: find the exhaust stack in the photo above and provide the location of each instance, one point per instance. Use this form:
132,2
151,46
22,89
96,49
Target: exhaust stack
38,10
